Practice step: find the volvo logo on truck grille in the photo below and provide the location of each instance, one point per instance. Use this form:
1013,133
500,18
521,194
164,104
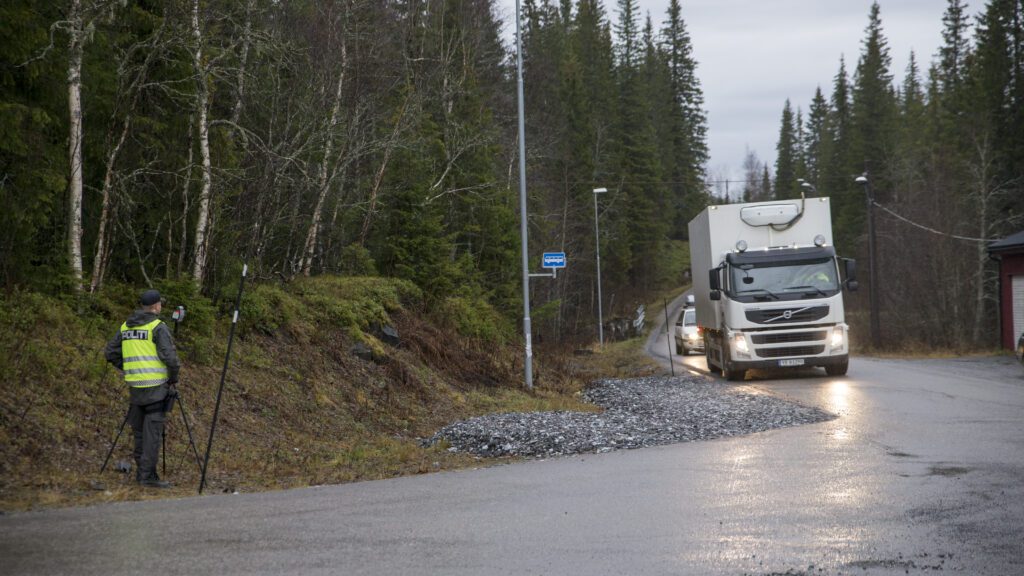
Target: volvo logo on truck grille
784,315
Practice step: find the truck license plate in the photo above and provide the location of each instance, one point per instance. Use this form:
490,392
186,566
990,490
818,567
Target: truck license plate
792,362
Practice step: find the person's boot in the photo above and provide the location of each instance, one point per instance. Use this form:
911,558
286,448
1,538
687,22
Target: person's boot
154,481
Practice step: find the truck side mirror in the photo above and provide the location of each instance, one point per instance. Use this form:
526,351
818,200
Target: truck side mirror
850,266
715,295
713,281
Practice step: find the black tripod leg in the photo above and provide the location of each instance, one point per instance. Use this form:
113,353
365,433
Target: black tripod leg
188,429
116,438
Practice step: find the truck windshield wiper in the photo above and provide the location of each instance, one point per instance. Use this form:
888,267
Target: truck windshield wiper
760,290
815,288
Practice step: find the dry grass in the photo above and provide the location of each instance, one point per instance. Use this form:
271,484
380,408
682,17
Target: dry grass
299,408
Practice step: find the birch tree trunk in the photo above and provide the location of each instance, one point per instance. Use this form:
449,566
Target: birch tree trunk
184,196
202,103
236,111
374,192
75,142
323,179
99,264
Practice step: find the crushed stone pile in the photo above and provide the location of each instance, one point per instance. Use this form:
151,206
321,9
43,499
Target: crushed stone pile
638,412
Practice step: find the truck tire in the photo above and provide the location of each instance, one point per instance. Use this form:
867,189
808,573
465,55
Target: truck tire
837,369
728,371
707,358
733,374
680,350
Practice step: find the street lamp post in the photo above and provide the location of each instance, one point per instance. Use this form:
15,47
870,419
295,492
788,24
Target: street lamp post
876,336
597,244
528,357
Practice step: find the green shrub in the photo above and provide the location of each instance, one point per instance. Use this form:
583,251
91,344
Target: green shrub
356,261
267,308
474,317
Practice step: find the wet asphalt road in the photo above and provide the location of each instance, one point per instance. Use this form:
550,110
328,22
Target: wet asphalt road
923,471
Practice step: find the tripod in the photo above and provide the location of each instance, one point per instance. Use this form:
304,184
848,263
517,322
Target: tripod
172,396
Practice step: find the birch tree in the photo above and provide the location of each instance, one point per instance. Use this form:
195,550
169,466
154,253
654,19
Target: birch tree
203,128
133,92
323,178
76,42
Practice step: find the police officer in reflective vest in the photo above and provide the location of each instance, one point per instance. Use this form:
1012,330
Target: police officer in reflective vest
144,350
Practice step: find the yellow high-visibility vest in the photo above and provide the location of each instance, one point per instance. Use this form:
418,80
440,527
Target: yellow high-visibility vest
142,365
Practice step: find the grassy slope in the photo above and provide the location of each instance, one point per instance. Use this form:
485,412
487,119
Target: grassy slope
299,407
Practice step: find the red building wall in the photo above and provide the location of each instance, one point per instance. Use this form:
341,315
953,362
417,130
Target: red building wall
1010,265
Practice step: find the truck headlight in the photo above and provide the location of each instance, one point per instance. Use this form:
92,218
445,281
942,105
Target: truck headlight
693,336
837,337
741,344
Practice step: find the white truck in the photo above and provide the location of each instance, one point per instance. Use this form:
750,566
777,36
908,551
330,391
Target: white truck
767,287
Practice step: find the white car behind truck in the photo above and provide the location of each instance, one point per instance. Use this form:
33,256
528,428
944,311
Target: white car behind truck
688,337
767,287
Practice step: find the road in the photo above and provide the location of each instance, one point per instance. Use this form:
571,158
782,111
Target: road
921,471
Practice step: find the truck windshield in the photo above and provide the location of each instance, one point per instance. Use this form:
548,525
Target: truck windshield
791,280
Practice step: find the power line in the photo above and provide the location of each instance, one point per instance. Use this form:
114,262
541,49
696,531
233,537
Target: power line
932,230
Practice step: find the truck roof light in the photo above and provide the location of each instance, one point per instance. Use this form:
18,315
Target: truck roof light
741,246
819,240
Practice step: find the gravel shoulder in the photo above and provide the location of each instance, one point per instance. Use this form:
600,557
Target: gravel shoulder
638,412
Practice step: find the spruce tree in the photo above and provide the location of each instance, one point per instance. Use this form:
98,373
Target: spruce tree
873,103
642,190
687,121
785,160
818,141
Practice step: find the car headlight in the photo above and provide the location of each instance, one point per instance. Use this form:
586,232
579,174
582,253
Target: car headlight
694,336
837,337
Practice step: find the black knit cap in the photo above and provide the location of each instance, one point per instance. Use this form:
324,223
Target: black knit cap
149,297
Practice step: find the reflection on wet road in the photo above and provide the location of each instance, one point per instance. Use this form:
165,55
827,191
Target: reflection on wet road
921,471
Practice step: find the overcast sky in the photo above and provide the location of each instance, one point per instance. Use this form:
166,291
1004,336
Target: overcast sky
754,54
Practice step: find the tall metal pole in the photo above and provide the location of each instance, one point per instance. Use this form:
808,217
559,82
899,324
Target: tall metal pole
597,243
869,198
876,335
528,358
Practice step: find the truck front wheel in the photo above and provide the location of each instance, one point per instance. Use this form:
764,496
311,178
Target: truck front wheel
728,371
837,369
707,358
733,374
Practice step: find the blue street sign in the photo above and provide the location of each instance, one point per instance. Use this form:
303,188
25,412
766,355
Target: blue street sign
554,260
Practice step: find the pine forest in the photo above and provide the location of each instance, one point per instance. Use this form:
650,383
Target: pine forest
148,142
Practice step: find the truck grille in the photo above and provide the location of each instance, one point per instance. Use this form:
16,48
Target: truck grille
788,315
790,351
815,336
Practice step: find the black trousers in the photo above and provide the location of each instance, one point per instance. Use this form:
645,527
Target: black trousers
148,425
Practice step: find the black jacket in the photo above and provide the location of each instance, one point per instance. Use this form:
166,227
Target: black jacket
164,348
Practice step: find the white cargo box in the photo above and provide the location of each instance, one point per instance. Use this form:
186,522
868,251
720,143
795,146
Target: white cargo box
761,225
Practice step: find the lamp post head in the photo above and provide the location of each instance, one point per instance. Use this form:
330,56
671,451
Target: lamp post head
862,179
600,190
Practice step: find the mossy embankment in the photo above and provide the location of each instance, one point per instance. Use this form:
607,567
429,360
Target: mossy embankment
314,394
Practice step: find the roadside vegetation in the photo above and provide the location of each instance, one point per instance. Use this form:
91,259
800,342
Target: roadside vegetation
315,393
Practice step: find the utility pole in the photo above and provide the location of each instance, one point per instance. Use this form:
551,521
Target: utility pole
876,334
528,357
597,244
